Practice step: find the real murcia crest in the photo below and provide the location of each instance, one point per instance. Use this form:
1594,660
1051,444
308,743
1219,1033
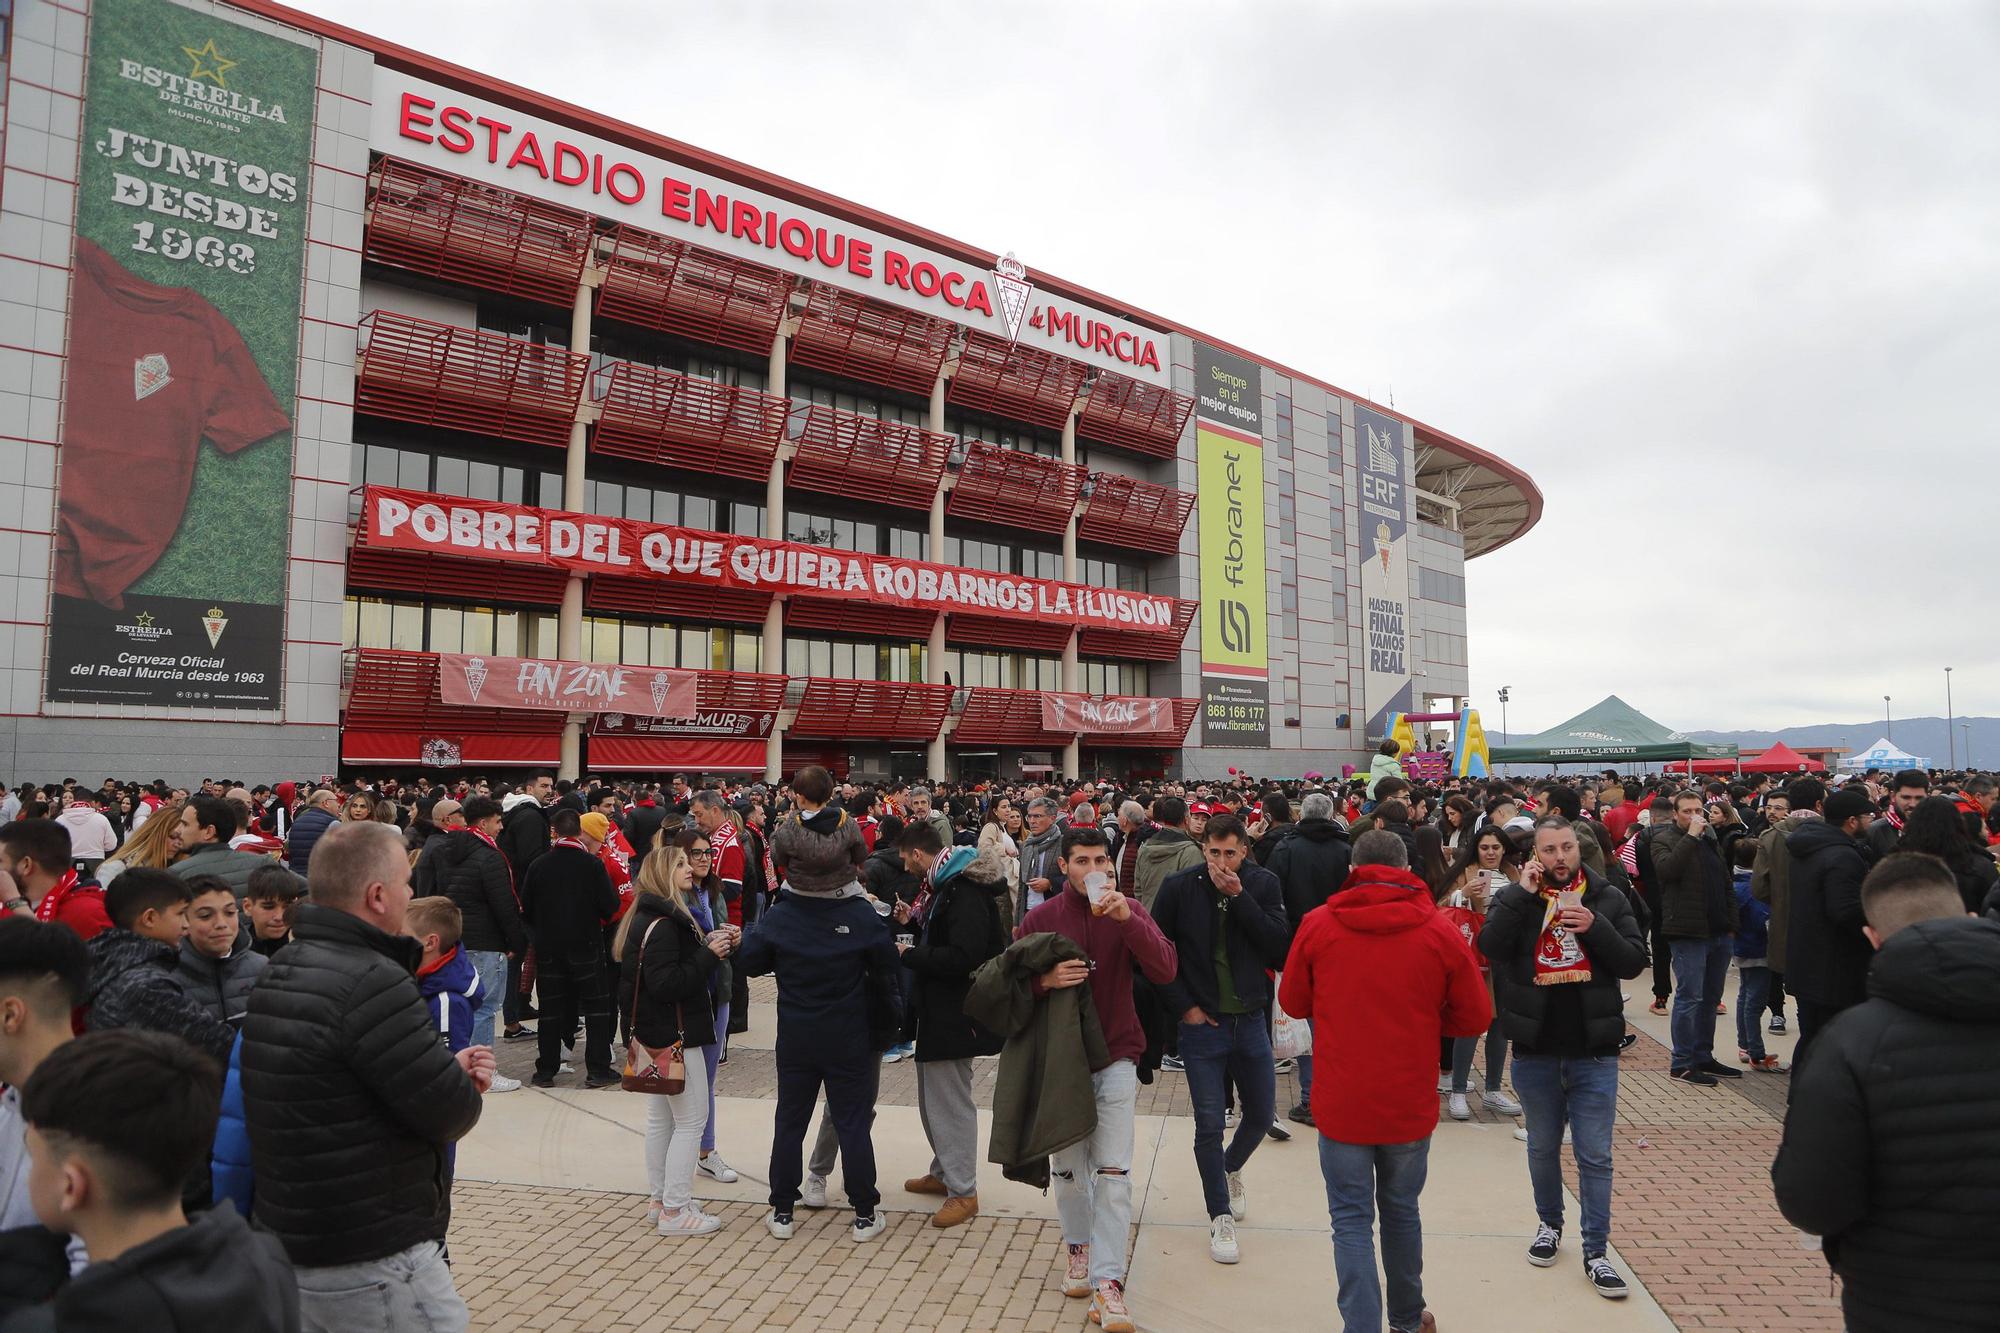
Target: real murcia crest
1010,275
150,375
475,676
215,622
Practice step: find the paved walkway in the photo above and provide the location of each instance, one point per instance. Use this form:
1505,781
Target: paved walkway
550,1223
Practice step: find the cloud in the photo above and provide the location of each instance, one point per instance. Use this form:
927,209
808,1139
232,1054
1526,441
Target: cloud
1721,278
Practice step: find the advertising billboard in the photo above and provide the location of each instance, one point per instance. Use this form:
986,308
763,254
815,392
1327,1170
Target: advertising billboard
1382,458
1229,460
173,498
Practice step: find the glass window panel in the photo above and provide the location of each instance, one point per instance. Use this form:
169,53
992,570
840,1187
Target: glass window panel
694,649
819,658
747,520
482,480
718,650
666,507
350,623
865,538
413,471
381,467
749,651
406,626
513,482
447,629
698,511
357,465
478,630
843,661
544,626
954,550
453,474
632,646
639,503
549,494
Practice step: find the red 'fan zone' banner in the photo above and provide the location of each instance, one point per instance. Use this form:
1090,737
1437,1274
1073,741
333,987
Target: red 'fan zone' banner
488,530
1094,717
568,687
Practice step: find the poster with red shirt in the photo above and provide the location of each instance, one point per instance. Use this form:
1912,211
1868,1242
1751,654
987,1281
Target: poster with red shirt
173,494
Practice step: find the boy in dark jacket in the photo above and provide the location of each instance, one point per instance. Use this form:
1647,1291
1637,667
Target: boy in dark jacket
448,983
471,871
566,897
1559,943
132,965
1826,951
124,1118
953,927
217,966
271,900
1890,1149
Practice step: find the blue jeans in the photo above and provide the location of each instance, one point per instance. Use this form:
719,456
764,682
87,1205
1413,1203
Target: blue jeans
1237,1047
1093,1178
1305,1068
1582,1092
1358,1177
492,970
1701,969
1753,992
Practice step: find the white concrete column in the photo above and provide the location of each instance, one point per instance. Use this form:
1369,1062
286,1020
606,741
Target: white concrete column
1072,760
934,764
773,653
569,620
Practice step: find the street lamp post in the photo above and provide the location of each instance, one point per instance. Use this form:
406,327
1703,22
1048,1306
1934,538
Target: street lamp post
1966,727
1950,741
1503,714
1888,727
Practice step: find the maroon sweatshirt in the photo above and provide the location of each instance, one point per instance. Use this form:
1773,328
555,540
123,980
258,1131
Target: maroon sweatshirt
1112,945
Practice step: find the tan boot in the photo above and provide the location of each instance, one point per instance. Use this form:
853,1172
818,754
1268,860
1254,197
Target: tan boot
955,1211
925,1184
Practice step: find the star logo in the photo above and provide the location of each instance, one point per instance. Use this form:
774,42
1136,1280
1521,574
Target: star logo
145,619
209,63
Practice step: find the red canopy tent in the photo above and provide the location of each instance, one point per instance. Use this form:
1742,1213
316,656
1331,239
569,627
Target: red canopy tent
1780,758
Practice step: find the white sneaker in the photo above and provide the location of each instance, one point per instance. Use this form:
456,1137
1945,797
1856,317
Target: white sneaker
569,1050
1239,1201
779,1225
868,1228
1222,1240
1497,1100
652,1212
501,1083
688,1221
892,1055
1460,1108
1521,1133
1444,1081
1229,1118
715,1168
814,1193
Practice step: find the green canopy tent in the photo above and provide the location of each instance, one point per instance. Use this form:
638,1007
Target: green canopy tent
1610,732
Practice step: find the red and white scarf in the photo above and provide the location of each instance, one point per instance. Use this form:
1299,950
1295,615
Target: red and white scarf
1559,956
52,901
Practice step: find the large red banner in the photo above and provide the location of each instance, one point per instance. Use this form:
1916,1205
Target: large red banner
1086,716
488,530
569,687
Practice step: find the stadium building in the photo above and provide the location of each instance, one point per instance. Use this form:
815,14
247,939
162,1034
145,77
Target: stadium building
364,413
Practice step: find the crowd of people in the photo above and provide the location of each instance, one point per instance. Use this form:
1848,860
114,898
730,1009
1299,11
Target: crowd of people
241,1028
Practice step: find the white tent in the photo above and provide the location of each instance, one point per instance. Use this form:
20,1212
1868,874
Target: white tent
1883,755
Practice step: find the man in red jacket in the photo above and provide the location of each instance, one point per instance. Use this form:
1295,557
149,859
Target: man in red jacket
35,859
1383,978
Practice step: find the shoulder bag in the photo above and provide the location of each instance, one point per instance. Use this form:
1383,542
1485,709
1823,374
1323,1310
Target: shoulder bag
661,1072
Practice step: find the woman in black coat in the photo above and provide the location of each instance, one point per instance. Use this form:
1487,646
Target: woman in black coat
1937,827
668,964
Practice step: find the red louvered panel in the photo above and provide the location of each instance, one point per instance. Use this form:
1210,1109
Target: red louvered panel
843,453
739,691
1135,415
1002,485
1005,717
463,231
1009,380
871,710
463,379
443,576
866,340
392,691
1142,515
657,416
832,758
836,615
695,293
676,601
1126,643
1006,632
1184,715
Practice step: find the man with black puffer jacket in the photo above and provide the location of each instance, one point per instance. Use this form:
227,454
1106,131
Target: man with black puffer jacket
566,898
320,813
350,1099
1891,1151
470,870
1826,953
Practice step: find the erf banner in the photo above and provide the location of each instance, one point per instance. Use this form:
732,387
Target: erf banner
174,500
732,724
1385,570
565,687
488,530
1229,453
1086,716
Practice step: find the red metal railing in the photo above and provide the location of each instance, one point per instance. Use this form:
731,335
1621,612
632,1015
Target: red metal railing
1002,485
391,690
1134,415
687,422
1143,645
444,576
869,341
676,601
1005,717
1009,380
1006,632
460,230
1125,511
1185,711
871,709
739,691
836,615
843,453
462,379
691,292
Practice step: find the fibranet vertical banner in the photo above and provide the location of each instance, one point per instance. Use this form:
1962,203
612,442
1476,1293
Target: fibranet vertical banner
174,498
1385,568
1229,458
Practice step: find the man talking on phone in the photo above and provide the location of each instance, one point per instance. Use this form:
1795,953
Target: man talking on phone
1697,905
1559,942
1093,1179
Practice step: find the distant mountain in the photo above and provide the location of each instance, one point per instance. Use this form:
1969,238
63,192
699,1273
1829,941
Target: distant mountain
1924,736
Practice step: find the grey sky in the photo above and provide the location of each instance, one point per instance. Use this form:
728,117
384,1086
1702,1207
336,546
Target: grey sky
1722,278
